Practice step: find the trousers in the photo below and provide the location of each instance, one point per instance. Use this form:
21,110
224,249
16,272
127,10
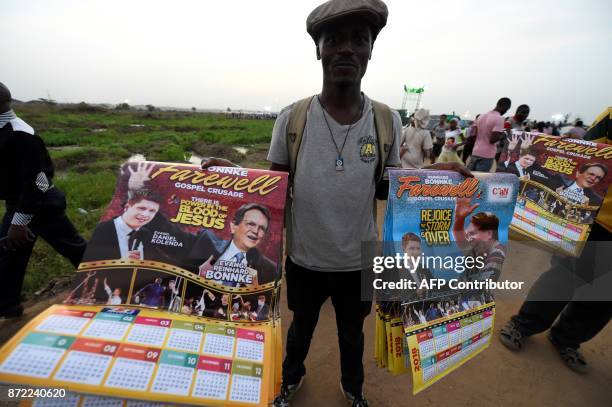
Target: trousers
578,320
307,290
50,223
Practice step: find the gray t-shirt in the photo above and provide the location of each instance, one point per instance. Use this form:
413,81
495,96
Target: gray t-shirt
332,210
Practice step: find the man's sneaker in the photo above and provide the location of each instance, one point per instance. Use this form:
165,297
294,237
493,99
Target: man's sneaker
287,391
571,357
14,311
356,400
511,337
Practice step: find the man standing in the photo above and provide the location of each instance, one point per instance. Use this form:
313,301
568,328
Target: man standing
490,129
439,133
34,207
333,185
416,142
516,122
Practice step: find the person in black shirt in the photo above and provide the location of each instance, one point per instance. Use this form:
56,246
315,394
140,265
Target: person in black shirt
34,207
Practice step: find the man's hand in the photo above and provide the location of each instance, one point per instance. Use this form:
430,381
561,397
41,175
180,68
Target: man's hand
216,162
527,141
452,166
463,207
253,274
140,176
134,255
19,236
204,267
513,142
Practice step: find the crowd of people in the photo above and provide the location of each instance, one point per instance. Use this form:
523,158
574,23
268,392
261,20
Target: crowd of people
453,139
433,309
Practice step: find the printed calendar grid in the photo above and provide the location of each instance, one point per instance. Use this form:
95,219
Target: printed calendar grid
446,345
110,371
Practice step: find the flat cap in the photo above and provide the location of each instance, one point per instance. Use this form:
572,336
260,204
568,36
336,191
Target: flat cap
374,11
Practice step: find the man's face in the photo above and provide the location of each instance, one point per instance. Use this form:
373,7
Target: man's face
590,177
473,234
526,161
249,233
224,299
140,213
412,248
442,119
344,48
453,124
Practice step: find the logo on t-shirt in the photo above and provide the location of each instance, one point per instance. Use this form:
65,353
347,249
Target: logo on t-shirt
367,149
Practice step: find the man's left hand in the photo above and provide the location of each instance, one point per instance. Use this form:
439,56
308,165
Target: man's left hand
19,236
452,166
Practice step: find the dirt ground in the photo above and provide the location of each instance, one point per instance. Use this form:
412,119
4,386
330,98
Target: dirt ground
534,377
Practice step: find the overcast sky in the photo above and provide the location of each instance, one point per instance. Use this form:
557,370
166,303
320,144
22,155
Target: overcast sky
553,55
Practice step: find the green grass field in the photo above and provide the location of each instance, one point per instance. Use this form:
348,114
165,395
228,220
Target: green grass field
88,145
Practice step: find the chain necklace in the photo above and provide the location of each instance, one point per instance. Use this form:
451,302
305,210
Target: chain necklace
339,162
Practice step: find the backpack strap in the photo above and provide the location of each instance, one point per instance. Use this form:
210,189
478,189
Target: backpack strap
295,131
383,121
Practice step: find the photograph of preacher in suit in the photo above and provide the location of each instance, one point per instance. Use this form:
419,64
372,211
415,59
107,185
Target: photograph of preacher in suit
133,234
579,190
212,257
124,237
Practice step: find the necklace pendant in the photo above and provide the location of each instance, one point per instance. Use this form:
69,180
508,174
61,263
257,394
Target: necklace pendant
339,163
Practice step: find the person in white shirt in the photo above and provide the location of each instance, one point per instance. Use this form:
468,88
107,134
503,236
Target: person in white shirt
114,296
416,144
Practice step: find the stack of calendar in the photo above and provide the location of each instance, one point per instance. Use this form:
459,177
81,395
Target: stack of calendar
176,300
563,183
445,236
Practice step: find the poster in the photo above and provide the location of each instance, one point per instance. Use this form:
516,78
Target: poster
176,299
449,236
562,186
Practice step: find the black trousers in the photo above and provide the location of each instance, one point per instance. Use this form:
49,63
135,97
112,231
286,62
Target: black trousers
579,320
50,223
307,290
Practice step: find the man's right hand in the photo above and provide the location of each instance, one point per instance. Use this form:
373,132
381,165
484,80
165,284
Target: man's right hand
216,162
134,255
204,267
19,236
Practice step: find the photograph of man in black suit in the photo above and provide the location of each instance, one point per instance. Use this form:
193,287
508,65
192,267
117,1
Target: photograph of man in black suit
248,227
126,236
580,190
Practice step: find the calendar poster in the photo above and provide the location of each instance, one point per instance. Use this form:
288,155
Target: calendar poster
452,227
449,235
562,185
179,238
176,299
439,347
101,353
